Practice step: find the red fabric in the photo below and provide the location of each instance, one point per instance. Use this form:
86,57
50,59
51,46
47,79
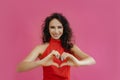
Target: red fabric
52,72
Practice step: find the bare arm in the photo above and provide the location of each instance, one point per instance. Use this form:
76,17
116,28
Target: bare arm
30,61
84,58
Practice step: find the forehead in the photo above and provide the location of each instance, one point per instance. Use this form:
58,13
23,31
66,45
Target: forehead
55,22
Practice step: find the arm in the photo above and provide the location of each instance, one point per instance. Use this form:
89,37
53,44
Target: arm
84,58
29,62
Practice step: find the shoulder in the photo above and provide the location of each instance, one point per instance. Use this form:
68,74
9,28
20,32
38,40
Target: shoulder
76,50
41,47
75,47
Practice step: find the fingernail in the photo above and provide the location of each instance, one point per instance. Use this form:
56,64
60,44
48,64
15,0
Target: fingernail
61,58
57,56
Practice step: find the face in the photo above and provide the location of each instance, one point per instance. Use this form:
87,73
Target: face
55,29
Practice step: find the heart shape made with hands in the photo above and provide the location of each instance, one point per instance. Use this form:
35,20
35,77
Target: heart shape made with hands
58,60
67,59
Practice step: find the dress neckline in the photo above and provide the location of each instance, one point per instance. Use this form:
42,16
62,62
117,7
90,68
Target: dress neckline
55,40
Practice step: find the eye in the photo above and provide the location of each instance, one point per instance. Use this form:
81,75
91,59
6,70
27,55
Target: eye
52,27
60,27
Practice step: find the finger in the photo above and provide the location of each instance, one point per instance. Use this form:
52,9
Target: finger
53,53
62,58
55,64
64,64
57,54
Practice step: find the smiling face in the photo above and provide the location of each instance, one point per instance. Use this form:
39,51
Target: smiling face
55,29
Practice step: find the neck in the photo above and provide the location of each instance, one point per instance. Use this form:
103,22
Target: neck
55,40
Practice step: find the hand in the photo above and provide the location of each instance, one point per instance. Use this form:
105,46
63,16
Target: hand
48,60
70,60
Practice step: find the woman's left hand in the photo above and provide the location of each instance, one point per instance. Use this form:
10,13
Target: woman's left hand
70,60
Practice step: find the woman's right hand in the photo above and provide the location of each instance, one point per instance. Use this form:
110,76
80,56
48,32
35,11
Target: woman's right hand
48,60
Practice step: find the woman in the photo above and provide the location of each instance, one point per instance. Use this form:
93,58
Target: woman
57,53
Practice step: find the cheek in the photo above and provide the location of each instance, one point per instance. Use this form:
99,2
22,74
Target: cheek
51,30
62,31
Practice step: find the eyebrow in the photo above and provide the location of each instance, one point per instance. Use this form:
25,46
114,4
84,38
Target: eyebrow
57,26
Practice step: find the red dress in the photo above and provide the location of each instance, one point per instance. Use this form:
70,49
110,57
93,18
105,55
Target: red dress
52,72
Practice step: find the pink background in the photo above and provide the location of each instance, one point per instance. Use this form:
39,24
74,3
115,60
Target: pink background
95,27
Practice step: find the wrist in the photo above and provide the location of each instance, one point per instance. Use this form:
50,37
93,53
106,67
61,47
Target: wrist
39,63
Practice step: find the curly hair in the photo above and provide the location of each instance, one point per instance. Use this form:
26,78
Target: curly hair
67,32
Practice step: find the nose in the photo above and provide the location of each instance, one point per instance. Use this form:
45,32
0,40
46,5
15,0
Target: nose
56,30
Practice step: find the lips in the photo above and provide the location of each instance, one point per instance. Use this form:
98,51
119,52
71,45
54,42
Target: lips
56,35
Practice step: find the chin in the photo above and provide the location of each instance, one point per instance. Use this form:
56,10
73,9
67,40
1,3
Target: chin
56,37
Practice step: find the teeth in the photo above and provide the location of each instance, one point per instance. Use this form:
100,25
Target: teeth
56,35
